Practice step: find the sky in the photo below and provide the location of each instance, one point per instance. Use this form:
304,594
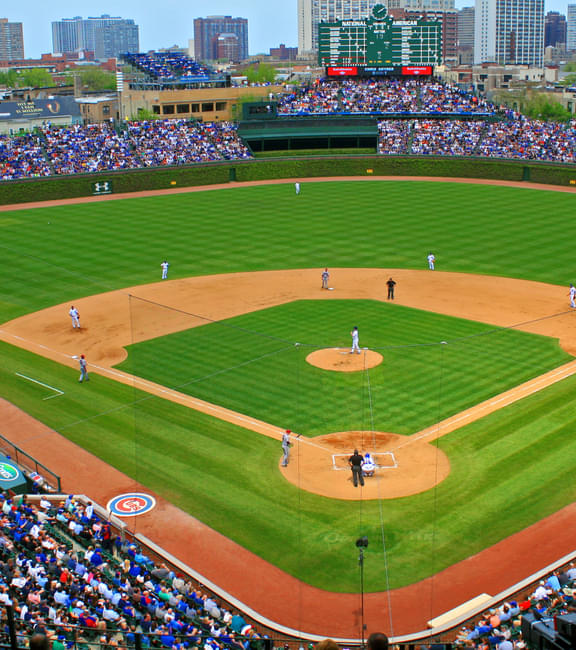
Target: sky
171,22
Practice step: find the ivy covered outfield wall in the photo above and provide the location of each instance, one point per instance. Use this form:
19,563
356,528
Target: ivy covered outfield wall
74,186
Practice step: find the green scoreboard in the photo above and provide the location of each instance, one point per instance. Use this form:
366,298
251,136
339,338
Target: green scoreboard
379,42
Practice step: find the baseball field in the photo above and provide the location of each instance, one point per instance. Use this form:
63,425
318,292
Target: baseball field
235,323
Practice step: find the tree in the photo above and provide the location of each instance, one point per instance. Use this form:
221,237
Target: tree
35,78
96,79
144,115
31,78
568,80
262,73
8,79
541,108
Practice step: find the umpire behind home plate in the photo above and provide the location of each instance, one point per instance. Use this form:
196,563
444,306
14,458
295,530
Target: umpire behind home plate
355,461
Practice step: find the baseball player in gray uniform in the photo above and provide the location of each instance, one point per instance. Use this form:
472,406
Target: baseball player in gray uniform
83,369
286,447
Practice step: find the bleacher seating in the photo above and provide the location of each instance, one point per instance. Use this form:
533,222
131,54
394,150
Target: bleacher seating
379,97
64,572
168,66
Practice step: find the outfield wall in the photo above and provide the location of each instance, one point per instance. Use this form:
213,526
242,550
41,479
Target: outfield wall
80,185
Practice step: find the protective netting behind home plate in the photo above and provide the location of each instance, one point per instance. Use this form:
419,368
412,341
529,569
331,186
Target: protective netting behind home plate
219,466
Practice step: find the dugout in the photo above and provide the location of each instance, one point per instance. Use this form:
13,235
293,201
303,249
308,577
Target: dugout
310,132
12,478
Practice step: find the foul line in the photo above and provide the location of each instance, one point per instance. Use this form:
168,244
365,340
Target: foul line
59,392
264,428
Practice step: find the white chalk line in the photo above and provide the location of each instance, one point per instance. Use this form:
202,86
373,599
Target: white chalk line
515,394
374,454
56,390
509,397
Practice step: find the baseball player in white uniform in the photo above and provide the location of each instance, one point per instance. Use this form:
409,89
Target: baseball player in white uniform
164,266
75,316
355,345
572,294
297,187
431,260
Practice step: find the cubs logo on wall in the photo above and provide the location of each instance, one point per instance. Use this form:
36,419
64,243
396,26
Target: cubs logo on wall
131,504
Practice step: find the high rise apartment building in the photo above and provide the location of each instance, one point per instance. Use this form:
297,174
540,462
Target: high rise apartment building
465,36
509,32
554,29
423,5
106,36
11,40
208,42
571,28
313,12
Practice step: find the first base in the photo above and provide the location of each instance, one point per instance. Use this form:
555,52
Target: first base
330,288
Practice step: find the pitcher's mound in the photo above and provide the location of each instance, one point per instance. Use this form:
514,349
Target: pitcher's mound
341,360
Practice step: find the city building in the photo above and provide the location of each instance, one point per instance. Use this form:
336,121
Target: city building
313,12
113,39
449,20
414,5
489,77
207,32
11,40
106,36
228,47
205,104
554,29
571,28
509,32
283,53
466,35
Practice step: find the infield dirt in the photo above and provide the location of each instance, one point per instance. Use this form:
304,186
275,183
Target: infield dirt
108,327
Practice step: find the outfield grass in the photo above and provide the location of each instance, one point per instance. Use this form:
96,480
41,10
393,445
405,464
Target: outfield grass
58,254
250,364
508,470
500,464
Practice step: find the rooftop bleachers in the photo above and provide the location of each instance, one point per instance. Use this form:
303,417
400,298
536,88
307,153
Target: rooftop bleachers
168,66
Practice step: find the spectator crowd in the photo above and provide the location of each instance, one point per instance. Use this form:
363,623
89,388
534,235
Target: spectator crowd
446,122
500,627
382,96
168,66
67,576
520,138
98,147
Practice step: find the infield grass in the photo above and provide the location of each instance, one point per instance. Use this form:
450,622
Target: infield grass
251,364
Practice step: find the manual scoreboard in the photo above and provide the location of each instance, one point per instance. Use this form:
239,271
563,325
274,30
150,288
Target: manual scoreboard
380,41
